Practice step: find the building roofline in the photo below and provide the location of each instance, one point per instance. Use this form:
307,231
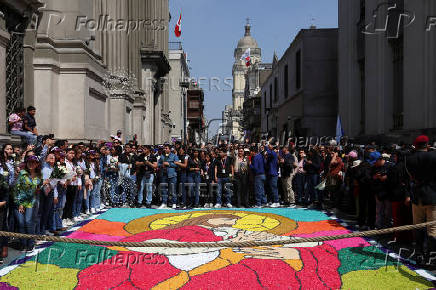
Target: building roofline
294,42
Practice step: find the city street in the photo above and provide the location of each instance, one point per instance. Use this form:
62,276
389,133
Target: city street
286,144
354,263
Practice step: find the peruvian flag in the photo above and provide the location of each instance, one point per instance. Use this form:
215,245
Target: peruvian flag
178,29
246,57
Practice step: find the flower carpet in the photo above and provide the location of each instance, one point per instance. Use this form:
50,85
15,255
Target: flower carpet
353,263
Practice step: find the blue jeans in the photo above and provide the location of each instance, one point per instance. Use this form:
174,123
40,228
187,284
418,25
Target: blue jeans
272,181
170,184
77,204
94,196
113,182
147,184
183,179
299,182
46,211
259,188
312,181
26,225
58,208
30,137
222,187
195,179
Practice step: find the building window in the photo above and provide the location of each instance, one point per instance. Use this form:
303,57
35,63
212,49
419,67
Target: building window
285,81
270,95
298,70
276,93
362,10
194,104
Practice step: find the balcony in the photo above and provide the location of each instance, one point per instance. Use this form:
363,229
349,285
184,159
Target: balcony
175,45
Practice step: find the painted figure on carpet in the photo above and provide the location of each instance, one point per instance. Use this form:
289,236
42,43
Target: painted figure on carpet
293,265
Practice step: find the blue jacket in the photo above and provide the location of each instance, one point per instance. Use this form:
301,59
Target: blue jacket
258,164
171,170
272,163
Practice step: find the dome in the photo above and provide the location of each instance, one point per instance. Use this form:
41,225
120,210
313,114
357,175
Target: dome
247,41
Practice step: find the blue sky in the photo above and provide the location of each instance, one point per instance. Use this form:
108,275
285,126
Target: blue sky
211,30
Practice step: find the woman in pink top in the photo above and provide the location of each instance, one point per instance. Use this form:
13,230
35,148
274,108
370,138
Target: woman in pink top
16,126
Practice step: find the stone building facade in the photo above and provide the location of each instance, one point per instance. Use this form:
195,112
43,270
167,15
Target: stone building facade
300,97
256,76
177,92
239,72
90,67
387,68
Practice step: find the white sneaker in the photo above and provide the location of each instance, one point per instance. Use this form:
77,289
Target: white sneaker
217,205
275,205
101,206
68,222
292,206
47,233
75,220
174,206
92,210
162,206
206,205
229,205
87,212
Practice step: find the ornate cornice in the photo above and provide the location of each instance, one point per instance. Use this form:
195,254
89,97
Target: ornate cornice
157,58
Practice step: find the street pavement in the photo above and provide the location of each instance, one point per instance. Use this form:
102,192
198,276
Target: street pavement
353,263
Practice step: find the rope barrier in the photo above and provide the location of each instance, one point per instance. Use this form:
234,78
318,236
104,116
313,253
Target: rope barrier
242,244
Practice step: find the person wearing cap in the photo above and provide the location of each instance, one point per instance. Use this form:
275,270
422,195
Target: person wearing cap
380,190
272,172
421,167
257,165
25,199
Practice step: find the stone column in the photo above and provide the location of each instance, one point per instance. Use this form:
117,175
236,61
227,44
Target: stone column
147,85
4,40
114,49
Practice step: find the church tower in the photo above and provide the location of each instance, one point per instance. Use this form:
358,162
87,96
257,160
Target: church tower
239,74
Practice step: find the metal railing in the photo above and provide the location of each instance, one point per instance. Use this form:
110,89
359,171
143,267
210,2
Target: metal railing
175,45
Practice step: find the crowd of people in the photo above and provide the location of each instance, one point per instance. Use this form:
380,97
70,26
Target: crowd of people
48,185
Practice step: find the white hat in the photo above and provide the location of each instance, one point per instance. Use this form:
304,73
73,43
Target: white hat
386,156
356,163
333,143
